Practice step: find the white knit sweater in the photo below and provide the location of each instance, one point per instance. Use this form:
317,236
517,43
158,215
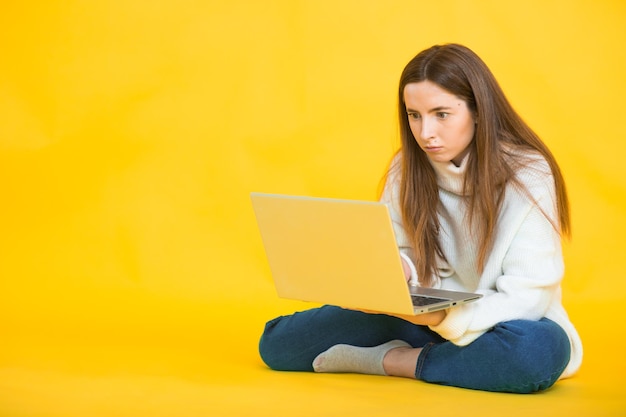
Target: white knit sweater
522,275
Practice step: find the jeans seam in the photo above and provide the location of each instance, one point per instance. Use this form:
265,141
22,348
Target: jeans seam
419,366
554,376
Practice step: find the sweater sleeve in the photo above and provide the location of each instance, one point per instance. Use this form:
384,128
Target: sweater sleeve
523,273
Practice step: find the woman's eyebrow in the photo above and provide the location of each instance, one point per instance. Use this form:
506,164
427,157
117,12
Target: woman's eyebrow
433,110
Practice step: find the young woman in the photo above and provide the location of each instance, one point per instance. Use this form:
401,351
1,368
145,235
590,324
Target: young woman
478,204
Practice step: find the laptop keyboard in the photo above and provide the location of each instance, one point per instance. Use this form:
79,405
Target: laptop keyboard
421,300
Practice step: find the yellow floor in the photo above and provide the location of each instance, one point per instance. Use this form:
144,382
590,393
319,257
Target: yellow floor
201,360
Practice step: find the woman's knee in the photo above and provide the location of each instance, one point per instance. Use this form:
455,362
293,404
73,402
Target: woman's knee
290,343
272,346
542,352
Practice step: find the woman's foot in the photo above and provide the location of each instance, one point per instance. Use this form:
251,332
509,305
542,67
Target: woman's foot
366,360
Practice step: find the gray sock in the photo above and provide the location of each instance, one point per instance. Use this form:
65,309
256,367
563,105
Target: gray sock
354,359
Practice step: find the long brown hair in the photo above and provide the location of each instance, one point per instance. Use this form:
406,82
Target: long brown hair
501,138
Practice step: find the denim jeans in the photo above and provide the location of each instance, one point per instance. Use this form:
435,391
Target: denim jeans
519,356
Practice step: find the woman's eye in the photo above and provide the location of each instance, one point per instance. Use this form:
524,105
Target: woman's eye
442,115
414,116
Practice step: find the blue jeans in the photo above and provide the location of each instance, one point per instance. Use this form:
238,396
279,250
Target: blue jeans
518,356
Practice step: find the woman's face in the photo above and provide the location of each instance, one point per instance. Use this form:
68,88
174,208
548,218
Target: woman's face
441,122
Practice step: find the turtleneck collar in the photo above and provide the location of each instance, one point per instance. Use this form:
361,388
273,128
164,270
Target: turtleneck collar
449,176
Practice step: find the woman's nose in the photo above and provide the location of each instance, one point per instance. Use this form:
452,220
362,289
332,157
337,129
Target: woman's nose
426,131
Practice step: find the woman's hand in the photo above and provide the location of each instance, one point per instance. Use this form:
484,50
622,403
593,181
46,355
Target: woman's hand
407,270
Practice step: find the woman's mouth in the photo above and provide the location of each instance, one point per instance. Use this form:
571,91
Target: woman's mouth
433,148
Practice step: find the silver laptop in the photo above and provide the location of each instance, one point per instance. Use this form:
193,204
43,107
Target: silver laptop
341,252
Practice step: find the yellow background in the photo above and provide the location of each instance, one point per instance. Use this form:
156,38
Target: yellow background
132,276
